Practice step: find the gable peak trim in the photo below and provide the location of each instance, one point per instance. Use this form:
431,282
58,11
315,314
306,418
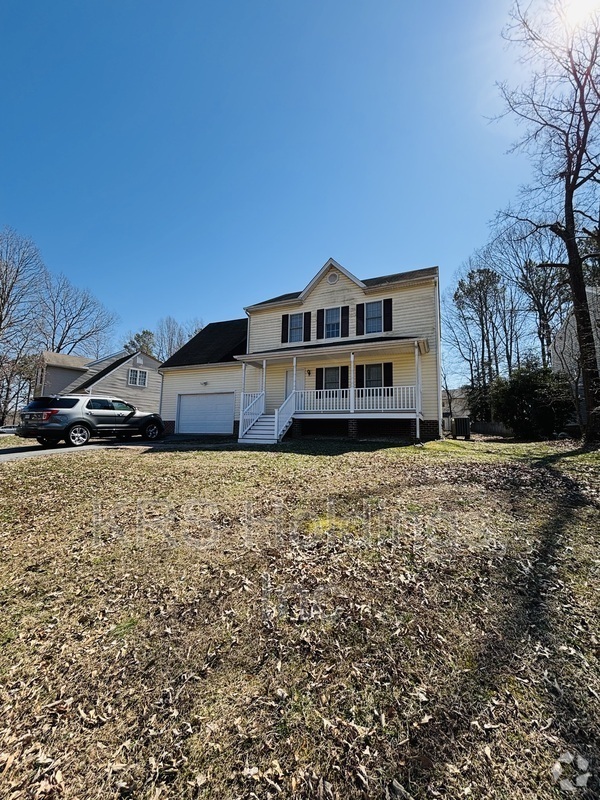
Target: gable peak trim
329,265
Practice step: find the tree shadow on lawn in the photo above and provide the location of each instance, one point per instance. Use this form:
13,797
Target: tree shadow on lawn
528,620
325,446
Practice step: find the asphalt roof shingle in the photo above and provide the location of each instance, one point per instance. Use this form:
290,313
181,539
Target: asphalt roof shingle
217,343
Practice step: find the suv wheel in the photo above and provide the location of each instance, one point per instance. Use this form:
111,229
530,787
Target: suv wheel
152,431
78,435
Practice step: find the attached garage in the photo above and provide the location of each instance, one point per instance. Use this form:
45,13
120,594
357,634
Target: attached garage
206,413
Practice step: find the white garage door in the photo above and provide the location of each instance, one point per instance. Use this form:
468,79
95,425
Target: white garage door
206,413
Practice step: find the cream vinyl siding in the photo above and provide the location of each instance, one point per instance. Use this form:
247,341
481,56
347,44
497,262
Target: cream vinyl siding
227,378
413,312
413,315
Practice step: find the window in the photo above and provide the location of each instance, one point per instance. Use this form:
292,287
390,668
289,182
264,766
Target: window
332,323
373,375
331,378
373,317
99,404
138,377
119,405
296,328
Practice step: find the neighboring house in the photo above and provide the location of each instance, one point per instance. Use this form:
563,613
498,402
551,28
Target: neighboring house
133,377
57,370
565,347
343,355
460,405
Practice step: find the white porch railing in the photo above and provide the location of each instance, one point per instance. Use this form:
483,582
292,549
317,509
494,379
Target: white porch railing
284,413
385,398
253,406
323,400
381,398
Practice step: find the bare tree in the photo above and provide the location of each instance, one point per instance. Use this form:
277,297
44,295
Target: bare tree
69,318
523,258
559,107
21,267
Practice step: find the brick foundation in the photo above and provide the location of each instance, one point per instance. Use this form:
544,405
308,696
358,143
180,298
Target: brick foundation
352,428
430,429
296,429
169,426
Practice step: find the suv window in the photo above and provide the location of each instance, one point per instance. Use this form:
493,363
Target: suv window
119,405
51,402
100,404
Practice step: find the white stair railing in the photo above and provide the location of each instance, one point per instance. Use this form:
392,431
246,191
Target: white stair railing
284,413
254,407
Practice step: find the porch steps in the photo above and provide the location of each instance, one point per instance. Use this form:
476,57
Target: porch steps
262,432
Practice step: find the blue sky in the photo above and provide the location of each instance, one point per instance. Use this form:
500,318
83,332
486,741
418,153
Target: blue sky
189,158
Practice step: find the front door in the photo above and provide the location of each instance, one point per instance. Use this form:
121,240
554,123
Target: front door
289,381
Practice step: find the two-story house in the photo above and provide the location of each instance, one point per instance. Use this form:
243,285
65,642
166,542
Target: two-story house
132,377
346,356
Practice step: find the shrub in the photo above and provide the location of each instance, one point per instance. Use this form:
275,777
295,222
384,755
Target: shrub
535,402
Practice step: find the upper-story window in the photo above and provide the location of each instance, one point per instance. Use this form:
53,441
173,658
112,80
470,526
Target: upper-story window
138,377
374,317
296,328
332,323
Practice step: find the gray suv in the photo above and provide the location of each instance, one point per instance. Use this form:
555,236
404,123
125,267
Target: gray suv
76,418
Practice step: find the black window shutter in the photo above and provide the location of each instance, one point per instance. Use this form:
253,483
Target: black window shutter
320,323
360,376
343,377
285,324
387,315
360,319
307,326
345,328
319,378
388,374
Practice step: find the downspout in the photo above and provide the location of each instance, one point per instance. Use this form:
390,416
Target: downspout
438,355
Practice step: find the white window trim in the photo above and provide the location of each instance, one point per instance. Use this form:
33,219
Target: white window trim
368,303
339,380
137,383
325,310
301,339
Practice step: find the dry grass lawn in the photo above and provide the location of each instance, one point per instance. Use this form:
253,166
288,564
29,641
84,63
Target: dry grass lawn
306,622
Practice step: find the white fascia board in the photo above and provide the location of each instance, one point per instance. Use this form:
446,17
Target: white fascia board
188,367
315,352
329,264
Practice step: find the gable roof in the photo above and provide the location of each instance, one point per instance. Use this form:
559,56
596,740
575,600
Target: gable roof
97,373
368,283
219,342
65,360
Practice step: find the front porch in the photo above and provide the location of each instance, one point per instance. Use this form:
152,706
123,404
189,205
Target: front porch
265,419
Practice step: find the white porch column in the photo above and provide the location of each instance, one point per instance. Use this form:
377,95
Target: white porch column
264,375
295,365
418,390
352,403
242,401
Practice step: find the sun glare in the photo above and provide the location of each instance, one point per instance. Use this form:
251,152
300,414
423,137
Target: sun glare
577,11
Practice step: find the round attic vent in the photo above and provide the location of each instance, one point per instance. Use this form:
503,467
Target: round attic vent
332,278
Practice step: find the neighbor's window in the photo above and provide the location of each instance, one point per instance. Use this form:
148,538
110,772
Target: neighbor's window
373,317
331,378
138,377
296,333
373,375
332,323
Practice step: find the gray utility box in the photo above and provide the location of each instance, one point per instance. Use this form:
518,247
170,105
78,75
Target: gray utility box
461,426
